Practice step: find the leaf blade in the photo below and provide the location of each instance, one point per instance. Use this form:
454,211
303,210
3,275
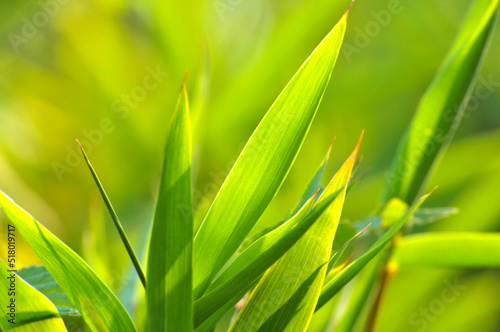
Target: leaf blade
169,293
441,108
240,276
264,162
344,276
286,296
98,305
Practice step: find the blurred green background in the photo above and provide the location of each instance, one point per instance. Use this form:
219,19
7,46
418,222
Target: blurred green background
108,72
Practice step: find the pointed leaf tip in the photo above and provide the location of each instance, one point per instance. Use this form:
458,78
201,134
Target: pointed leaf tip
185,78
349,8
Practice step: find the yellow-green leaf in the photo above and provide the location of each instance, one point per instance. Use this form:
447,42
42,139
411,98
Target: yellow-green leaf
285,297
97,304
264,162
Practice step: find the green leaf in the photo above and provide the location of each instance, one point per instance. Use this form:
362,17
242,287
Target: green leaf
285,298
33,311
442,106
116,221
40,279
306,194
264,162
169,291
97,304
344,276
240,276
209,323
445,249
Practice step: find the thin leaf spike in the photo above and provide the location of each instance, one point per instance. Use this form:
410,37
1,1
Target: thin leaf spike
264,162
169,291
285,297
116,220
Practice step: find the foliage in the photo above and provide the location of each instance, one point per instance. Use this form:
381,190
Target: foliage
280,278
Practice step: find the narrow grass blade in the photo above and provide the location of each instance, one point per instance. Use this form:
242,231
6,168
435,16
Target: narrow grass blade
285,298
240,276
24,309
344,276
442,106
40,279
460,250
169,292
116,221
97,304
264,162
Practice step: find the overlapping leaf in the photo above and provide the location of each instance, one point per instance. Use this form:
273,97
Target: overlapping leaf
264,162
285,298
40,279
240,276
24,309
344,276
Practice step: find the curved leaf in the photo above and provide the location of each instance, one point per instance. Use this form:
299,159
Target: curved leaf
99,307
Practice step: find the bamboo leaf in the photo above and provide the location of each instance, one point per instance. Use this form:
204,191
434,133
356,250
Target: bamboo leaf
240,276
464,250
40,279
344,276
285,298
169,291
97,304
30,309
264,162
442,106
